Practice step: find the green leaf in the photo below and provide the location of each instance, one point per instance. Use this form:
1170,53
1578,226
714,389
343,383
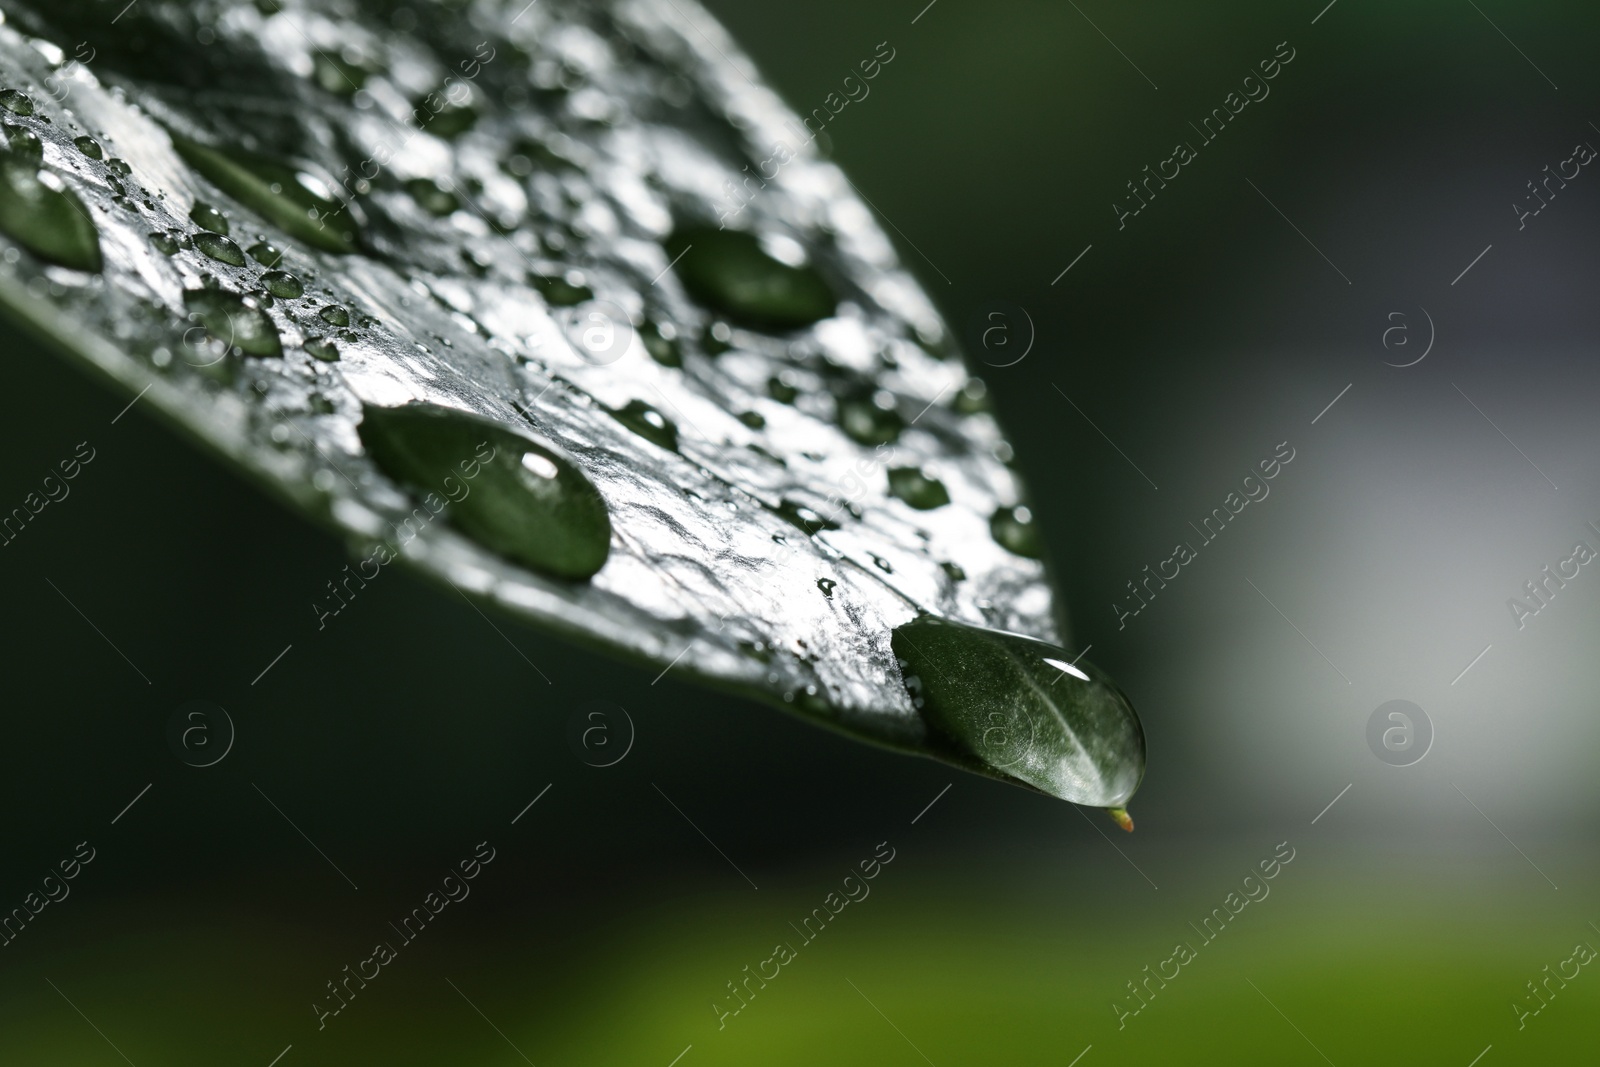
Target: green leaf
344,246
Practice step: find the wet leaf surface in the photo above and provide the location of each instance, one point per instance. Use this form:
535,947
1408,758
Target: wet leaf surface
314,231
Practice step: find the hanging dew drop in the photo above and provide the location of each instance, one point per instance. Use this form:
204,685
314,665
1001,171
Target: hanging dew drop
1023,710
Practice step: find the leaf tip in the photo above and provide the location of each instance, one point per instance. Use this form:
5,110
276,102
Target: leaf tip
1121,817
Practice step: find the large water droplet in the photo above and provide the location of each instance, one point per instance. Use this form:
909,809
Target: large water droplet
229,318
648,423
520,498
334,315
278,192
47,220
1021,709
281,283
24,144
15,102
220,248
917,488
268,255
88,146
209,218
1014,530
730,271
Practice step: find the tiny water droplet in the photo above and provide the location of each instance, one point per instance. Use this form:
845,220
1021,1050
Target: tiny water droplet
648,423
953,571
220,248
208,218
516,496
717,338
753,419
323,349
973,397
1014,530
882,564
563,290
49,221
118,166
88,146
827,586
870,419
730,270
431,198
282,284
227,317
661,341
165,243
334,315
782,387
917,488
803,517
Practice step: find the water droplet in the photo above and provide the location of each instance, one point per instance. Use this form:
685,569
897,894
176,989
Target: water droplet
803,517
323,349
917,488
827,586
516,496
118,167
229,318
753,419
165,243
870,419
208,218
783,388
563,290
15,102
49,221
1014,530
266,254
336,74
661,341
443,117
88,146
220,248
729,270
334,315
972,397
283,284
717,339
431,198
1022,709
648,423
24,144
953,571
288,198
882,564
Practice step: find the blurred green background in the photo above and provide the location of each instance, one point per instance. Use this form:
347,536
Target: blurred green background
1196,339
